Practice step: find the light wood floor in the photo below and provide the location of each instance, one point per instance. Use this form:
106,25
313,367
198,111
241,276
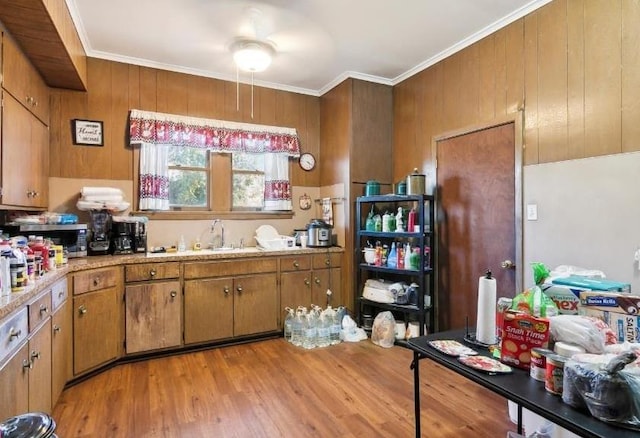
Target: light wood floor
273,389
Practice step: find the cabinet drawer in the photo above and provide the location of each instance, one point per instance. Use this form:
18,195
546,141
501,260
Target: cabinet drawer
295,263
151,271
59,293
39,310
332,260
230,267
95,280
13,332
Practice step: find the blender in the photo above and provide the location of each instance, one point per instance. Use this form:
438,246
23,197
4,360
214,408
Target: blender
99,232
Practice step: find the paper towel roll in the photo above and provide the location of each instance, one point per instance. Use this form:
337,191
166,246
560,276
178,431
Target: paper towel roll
486,321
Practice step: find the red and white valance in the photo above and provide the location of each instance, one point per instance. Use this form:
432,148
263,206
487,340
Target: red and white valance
215,135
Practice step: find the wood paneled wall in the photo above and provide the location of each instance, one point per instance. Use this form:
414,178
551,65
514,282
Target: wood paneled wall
115,88
573,66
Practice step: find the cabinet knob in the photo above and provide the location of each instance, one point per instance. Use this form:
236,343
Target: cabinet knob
152,273
327,262
173,294
317,280
56,328
43,309
239,289
27,364
307,282
96,281
35,355
35,193
296,264
82,310
226,290
14,334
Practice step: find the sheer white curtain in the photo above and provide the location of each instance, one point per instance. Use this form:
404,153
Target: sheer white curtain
154,176
277,190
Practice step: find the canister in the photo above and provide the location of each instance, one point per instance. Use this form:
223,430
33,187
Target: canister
416,183
372,188
538,366
554,374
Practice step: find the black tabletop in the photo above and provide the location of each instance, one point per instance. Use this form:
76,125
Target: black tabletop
522,389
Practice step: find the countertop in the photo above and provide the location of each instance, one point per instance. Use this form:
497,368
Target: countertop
15,300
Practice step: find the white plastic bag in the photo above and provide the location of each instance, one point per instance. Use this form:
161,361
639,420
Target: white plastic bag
383,331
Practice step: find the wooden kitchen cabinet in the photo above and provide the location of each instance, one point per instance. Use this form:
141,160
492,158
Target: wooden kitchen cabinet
97,318
230,298
25,156
40,369
14,381
153,316
61,339
23,81
304,280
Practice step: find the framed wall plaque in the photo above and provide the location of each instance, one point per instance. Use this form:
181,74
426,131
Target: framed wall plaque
87,132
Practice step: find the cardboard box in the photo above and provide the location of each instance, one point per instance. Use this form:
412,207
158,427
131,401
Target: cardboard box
610,301
625,326
520,333
567,297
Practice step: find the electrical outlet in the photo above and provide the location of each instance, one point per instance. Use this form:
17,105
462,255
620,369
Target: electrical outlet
532,212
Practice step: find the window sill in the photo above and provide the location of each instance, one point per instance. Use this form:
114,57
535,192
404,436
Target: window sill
208,215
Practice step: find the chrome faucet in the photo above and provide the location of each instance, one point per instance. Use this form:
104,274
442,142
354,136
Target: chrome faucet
213,230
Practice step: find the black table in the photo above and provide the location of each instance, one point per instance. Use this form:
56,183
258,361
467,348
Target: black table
517,386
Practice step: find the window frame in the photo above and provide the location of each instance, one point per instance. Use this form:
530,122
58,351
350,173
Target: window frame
219,202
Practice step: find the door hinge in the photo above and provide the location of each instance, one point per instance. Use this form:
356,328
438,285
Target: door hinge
1,191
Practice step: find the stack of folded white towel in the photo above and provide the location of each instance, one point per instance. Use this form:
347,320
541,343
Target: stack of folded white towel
102,198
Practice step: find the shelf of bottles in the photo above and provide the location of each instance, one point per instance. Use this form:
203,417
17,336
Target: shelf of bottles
394,243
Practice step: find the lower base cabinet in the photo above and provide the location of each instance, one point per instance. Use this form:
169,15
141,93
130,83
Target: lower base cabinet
153,316
14,381
40,369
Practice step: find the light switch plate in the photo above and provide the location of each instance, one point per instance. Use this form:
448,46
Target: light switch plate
532,212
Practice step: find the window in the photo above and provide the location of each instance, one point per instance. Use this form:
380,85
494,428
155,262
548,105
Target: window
193,164
189,178
247,187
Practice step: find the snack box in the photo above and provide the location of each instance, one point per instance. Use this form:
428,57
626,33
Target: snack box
610,301
522,332
625,326
567,296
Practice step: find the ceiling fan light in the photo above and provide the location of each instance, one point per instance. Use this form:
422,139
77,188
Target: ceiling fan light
252,57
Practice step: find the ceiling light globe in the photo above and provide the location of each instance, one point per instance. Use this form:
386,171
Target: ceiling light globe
252,57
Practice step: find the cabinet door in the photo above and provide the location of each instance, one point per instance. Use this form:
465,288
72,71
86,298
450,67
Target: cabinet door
14,381
324,279
40,372
61,350
96,329
208,310
255,304
152,316
16,151
295,289
39,164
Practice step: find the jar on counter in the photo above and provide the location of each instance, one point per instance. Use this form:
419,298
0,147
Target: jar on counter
18,271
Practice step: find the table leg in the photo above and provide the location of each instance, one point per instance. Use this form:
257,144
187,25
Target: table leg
415,365
519,419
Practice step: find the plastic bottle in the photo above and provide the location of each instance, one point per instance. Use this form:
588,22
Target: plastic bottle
407,257
415,259
39,246
323,330
392,259
386,225
288,323
18,271
411,221
401,250
297,328
310,332
336,326
182,246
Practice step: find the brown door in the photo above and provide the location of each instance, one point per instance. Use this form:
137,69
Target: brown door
476,193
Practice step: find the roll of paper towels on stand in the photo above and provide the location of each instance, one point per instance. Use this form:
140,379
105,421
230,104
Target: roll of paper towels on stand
486,320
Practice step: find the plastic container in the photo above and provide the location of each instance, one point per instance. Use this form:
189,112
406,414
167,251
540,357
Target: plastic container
18,271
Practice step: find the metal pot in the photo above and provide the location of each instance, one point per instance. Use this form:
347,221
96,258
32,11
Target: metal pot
318,234
416,183
372,188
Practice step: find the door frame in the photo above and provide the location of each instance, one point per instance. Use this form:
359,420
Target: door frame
517,118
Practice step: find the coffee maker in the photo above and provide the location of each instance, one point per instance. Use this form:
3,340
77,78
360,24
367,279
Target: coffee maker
122,235
99,232
140,235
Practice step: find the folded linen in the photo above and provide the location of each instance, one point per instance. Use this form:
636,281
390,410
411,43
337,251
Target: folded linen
100,191
93,205
102,198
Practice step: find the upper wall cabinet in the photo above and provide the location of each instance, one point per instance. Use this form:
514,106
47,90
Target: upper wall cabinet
46,33
23,82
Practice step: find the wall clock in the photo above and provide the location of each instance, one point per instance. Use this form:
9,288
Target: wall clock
307,161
